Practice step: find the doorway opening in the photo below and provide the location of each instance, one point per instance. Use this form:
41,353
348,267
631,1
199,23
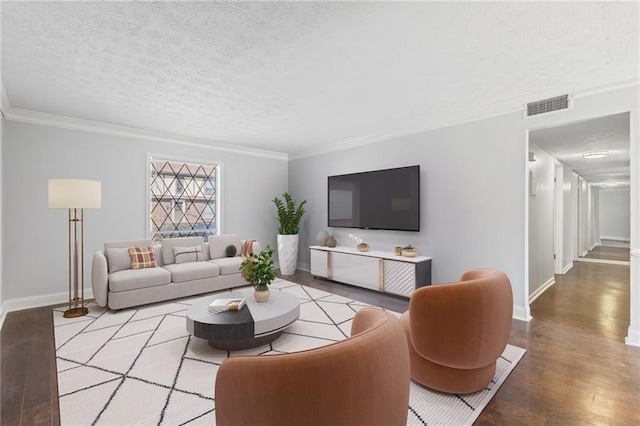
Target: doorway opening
579,207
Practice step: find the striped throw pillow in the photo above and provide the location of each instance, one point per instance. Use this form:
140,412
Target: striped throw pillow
142,257
188,254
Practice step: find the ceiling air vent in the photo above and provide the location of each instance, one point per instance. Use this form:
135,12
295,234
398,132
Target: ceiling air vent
548,105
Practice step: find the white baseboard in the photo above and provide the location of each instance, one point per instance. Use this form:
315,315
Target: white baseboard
610,262
551,281
21,303
623,239
2,315
521,313
633,338
584,253
567,268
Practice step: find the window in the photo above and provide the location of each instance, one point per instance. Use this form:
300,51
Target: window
183,199
207,214
178,211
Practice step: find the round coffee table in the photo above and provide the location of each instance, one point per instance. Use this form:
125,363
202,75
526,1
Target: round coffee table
254,325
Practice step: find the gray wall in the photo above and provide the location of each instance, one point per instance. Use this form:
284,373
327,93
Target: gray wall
474,207
541,221
472,203
35,238
583,217
567,226
594,217
2,138
473,188
615,220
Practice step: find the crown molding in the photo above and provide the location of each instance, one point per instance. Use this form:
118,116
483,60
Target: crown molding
475,114
606,88
412,129
45,119
479,113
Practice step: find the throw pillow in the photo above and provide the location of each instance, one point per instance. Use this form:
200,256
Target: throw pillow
118,259
231,250
219,243
142,257
188,254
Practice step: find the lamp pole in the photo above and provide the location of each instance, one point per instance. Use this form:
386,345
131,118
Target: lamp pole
75,195
76,272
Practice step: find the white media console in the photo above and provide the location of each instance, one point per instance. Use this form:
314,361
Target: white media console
375,270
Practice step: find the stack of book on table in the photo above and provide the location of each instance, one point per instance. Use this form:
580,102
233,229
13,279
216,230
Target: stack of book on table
221,305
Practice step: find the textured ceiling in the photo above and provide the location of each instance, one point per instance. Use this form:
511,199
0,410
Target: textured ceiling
567,143
302,77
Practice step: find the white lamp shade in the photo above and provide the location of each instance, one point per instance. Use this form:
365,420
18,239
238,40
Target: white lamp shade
74,194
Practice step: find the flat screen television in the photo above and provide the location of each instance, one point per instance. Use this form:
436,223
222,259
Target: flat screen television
380,199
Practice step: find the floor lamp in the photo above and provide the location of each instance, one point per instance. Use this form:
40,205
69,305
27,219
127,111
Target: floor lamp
75,195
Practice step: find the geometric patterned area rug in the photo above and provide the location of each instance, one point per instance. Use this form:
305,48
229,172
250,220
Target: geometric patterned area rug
140,366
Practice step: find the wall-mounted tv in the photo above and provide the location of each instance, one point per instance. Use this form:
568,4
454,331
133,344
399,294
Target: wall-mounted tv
380,199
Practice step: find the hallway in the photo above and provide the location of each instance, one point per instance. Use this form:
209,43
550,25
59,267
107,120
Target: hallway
593,297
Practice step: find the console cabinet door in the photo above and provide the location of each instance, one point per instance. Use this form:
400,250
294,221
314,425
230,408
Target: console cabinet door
399,277
319,263
361,271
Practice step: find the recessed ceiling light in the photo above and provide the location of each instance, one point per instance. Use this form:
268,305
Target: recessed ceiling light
592,155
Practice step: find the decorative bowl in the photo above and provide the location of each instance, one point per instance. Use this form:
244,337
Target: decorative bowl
363,247
409,251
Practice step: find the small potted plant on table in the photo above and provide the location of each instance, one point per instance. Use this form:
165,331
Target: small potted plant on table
260,272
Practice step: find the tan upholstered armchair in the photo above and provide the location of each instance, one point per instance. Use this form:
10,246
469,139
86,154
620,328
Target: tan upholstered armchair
457,331
362,380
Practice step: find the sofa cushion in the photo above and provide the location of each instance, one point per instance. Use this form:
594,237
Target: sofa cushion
118,259
142,257
188,254
132,279
126,244
218,245
228,265
169,243
157,251
192,271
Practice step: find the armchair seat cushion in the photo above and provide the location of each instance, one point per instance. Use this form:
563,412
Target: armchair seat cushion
192,271
228,265
132,279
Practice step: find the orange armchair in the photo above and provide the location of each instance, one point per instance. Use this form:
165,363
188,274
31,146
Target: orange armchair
457,331
360,380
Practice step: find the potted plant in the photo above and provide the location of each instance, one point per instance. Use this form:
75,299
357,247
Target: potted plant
259,272
289,217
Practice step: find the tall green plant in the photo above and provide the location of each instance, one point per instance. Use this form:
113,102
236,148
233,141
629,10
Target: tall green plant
288,215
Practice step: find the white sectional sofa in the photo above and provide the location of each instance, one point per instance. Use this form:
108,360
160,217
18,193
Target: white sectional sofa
118,286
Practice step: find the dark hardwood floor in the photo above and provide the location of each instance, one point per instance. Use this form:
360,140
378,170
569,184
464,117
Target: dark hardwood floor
577,369
609,253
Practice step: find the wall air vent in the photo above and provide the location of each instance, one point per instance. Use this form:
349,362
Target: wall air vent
548,105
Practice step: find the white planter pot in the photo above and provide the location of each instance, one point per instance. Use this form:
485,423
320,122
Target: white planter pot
287,253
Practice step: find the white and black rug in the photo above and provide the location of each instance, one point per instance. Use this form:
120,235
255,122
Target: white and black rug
140,366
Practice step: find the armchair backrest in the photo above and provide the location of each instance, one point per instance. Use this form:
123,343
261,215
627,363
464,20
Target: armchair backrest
466,324
360,380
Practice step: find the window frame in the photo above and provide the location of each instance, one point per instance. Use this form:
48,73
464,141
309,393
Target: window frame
218,188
